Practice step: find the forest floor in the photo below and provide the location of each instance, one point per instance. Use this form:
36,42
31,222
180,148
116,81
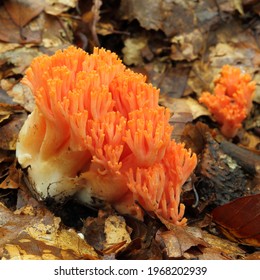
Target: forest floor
181,47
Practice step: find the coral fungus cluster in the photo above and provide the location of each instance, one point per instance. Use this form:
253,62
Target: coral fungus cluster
97,131
232,99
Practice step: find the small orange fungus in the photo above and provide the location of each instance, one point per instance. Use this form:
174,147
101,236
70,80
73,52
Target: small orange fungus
232,99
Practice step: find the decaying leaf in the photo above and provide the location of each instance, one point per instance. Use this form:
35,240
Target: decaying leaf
19,59
179,240
155,14
184,111
172,81
6,110
22,95
34,233
253,256
56,7
143,245
132,50
219,248
12,181
194,136
9,132
23,11
115,231
238,4
239,220
106,233
13,33
187,46
93,231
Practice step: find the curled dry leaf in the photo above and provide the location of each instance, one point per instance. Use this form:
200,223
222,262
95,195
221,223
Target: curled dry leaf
239,220
143,245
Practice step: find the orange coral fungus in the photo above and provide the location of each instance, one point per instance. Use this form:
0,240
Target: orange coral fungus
97,131
232,99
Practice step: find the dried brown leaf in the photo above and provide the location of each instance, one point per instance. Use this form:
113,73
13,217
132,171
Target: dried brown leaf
221,248
10,32
168,16
187,46
9,132
172,81
194,136
23,11
13,180
56,7
133,50
184,110
240,219
34,233
138,250
179,240
18,60
116,231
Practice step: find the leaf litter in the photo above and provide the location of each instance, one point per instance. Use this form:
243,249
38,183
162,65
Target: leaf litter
181,48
